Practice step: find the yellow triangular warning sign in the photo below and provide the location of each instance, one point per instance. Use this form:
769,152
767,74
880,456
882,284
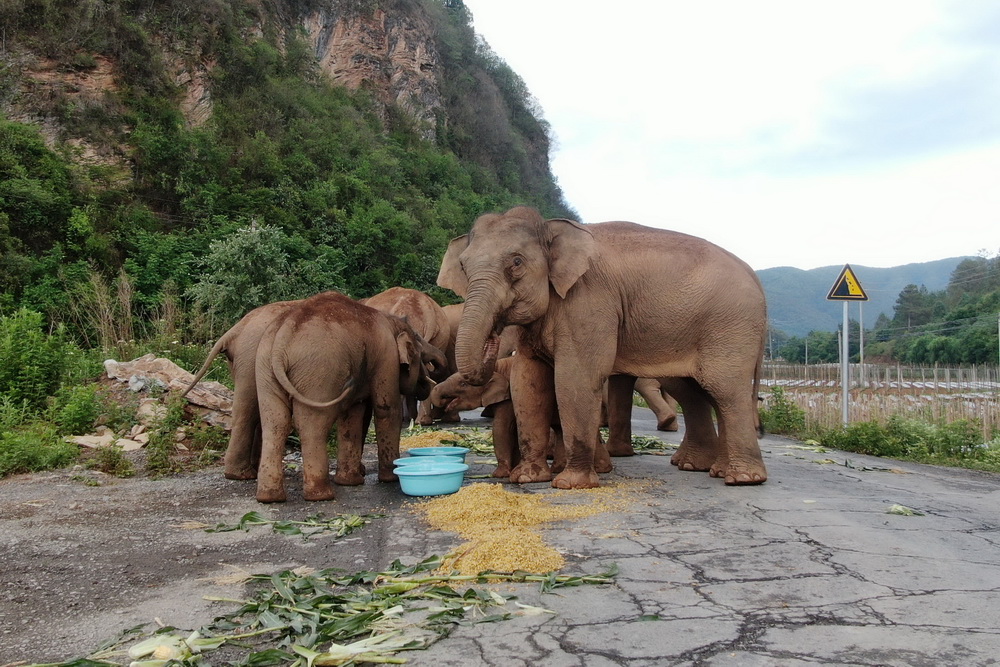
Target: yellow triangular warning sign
847,287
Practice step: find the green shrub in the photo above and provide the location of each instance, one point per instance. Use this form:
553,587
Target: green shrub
12,413
782,415
31,361
161,436
865,438
35,446
954,443
111,460
77,408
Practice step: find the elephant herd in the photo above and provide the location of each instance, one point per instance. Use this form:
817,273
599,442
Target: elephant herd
558,321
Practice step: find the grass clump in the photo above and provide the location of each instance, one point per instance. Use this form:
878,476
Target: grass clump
781,415
957,443
32,447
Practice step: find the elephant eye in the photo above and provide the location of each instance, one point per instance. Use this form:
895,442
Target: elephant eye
518,261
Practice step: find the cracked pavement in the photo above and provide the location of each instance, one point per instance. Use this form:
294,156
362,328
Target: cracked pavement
807,569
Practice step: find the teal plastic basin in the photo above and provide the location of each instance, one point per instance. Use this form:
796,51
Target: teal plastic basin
457,452
413,460
431,478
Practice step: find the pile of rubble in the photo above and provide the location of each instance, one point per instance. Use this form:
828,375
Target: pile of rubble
158,378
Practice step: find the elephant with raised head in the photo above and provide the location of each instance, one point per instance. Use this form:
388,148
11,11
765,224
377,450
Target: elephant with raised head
613,298
332,359
430,321
239,344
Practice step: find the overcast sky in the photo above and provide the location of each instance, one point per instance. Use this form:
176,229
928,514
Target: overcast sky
798,133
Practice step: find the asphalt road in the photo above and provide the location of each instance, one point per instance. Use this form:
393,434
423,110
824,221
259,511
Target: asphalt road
809,568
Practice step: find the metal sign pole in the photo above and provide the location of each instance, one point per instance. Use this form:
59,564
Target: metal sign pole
847,288
845,368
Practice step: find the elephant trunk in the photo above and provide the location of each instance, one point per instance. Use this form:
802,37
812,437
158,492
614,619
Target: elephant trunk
477,343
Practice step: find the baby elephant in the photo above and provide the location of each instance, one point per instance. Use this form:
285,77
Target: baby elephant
456,394
332,359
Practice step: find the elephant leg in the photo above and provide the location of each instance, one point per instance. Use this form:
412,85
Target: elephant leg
239,461
602,458
557,449
276,424
533,395
313,426
620,415
739,461
409,409
659,402
699,448
351,429
580,414
388,422
505,438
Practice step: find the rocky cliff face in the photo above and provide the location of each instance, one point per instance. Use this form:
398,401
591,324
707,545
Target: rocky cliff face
391,55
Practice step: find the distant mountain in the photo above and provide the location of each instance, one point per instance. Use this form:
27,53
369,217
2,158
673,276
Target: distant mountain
796,299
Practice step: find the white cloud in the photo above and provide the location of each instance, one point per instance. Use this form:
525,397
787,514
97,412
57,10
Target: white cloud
792,133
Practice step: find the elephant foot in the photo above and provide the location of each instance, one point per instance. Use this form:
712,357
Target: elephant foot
348,478
620,449
576,479
271,496
603,466
687,458
525,473
502,471
452,418
424,421
319,492
669,424
240,473
740,475
388,477
558,465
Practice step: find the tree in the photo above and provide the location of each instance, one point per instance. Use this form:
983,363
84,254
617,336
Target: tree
246,270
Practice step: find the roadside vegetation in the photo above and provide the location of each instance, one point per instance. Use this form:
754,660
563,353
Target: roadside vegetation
958,444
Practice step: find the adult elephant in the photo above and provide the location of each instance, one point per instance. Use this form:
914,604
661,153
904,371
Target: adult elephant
614,298
332,359
429,320
239,344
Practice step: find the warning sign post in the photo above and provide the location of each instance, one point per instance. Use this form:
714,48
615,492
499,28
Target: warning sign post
847,288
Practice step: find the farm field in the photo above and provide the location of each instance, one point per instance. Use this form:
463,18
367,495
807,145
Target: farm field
878,392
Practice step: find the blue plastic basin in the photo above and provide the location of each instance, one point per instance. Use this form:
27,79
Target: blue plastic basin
431,479
457,452
413,460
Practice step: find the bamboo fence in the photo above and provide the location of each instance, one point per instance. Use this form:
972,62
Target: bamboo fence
935,394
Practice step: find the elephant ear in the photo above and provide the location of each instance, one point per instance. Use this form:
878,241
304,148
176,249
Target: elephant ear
571,247
451,276
407,349
496,390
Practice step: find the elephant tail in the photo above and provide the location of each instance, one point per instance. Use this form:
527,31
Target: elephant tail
278,368
219,346
757,372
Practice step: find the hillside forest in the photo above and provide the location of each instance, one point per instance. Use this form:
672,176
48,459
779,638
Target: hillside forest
111,198
955,325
